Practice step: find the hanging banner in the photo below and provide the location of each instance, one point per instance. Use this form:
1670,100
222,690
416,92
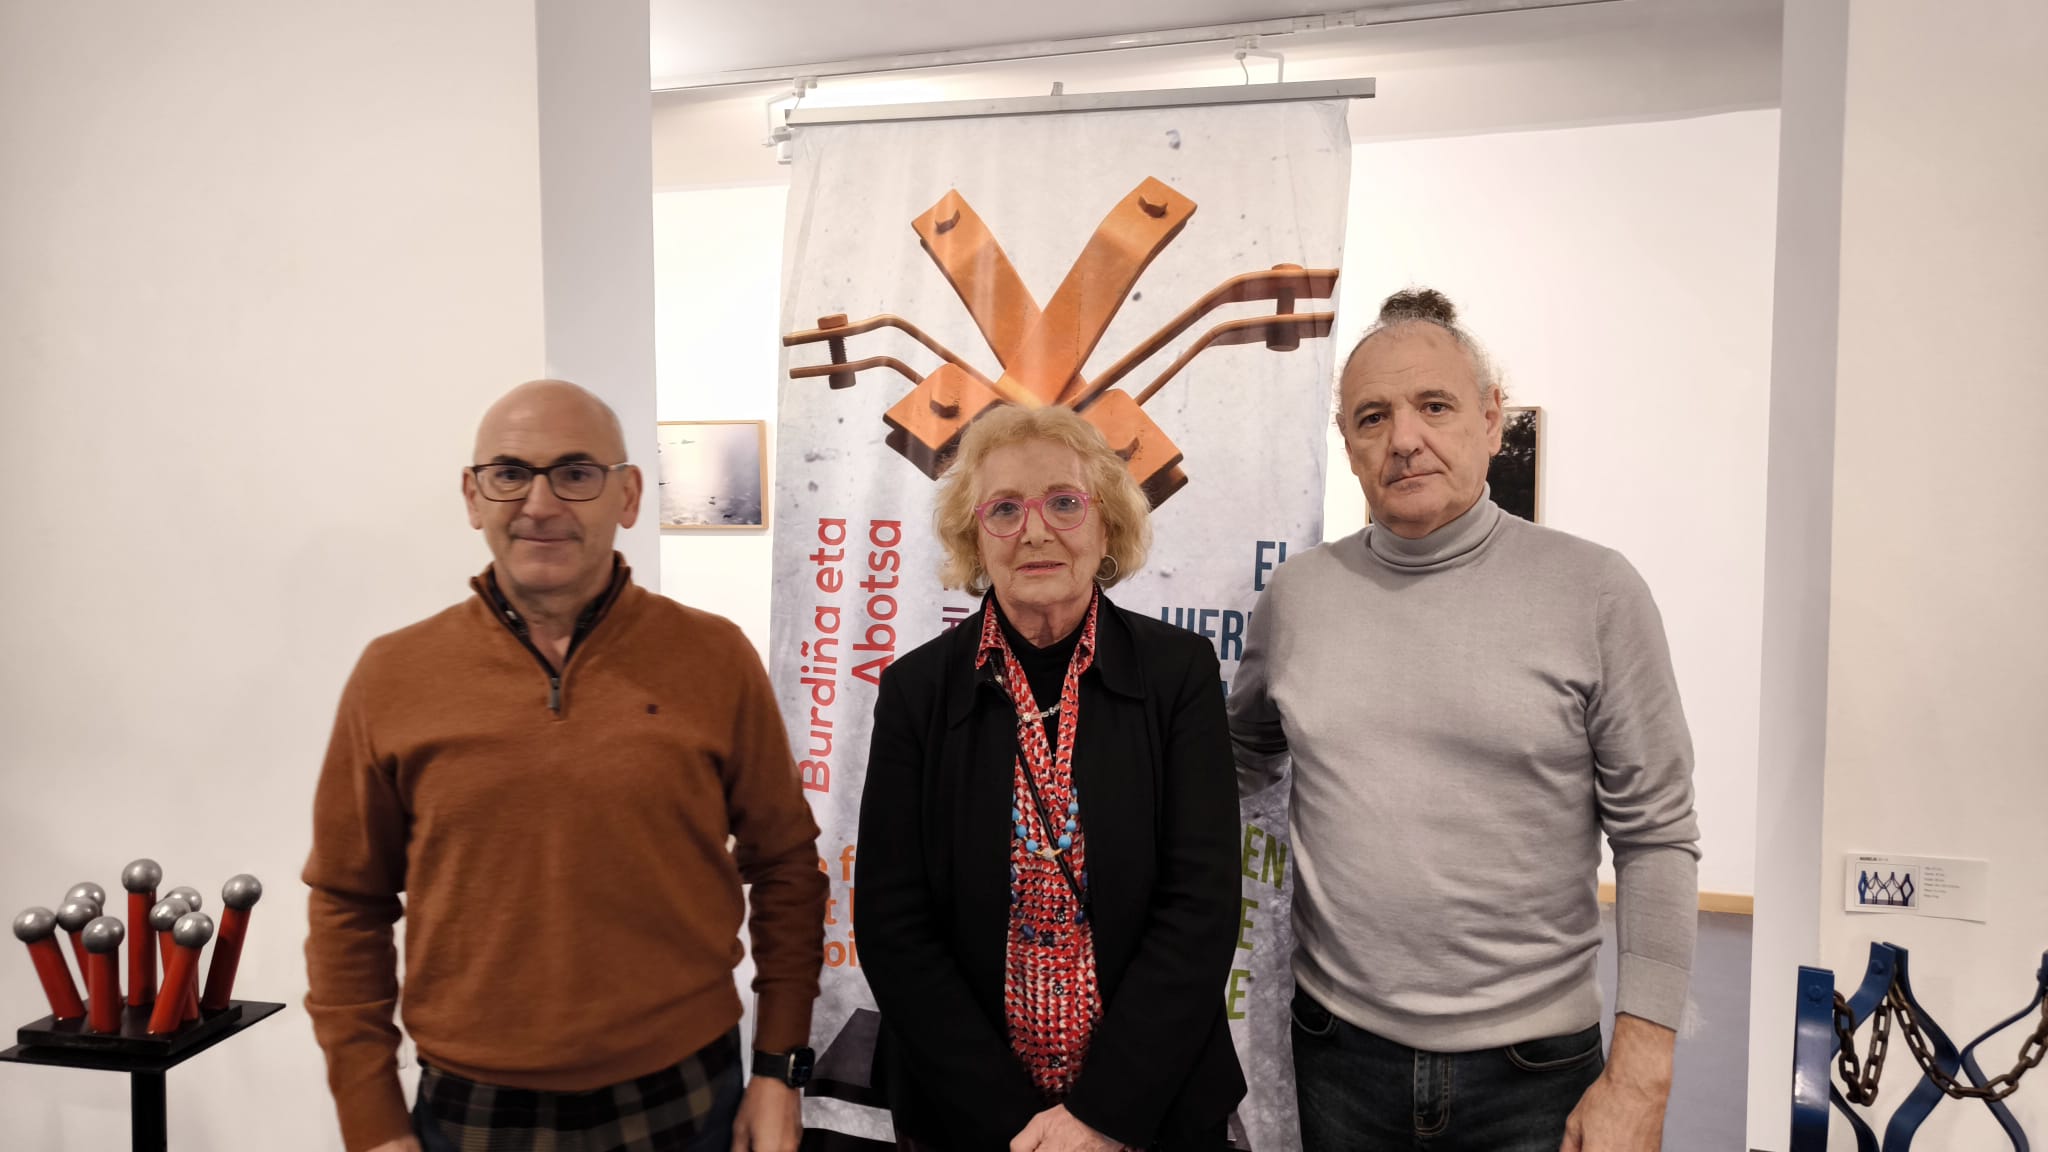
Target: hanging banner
1171,274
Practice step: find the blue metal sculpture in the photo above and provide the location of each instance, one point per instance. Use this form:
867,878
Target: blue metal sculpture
1824,1042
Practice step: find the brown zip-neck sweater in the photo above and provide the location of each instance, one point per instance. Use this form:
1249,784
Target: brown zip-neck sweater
572,911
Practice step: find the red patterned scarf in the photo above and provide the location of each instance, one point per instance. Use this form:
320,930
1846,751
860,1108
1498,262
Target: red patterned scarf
1050,993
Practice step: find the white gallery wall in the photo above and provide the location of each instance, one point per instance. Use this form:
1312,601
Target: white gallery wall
1621,272
261,268
718,302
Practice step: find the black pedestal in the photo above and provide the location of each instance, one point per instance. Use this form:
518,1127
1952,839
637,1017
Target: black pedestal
143,1057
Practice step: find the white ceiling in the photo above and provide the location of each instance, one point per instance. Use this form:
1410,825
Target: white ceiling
702,36
699,37
1598,63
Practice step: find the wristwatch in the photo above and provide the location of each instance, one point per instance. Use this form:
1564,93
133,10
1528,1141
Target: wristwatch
792,1067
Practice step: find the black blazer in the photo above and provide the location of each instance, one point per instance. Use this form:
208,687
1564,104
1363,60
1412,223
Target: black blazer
1158,794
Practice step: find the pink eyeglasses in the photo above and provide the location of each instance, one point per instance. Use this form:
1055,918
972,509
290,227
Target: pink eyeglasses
1004,516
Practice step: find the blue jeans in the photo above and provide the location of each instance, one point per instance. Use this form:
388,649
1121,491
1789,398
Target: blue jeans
1358,1091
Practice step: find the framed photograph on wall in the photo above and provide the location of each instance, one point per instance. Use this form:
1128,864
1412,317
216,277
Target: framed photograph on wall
713,474
1516,473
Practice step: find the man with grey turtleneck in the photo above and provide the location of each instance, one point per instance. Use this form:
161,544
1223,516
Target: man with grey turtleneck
1468,700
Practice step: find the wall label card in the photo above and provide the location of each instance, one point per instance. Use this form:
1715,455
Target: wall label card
1952,889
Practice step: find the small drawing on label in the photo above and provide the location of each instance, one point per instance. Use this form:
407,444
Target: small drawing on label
1891,888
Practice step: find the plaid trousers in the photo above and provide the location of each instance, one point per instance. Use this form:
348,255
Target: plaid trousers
665,1111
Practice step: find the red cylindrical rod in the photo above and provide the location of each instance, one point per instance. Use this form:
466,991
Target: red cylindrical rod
140,878
103,973
192,932
238,896
37,928
192,897
72,916
56,978
163,920
165,949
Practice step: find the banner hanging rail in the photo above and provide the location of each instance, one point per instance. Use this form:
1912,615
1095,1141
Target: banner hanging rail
1400,13
1359,89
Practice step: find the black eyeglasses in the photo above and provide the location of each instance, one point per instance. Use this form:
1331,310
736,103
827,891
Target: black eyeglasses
570,480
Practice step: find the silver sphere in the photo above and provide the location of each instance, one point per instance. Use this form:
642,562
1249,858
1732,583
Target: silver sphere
35,924
188,895
76,914
193,930
164,917
104,935
241,892
87,890
142,875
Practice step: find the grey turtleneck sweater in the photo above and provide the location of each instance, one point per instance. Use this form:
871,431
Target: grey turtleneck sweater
1465,714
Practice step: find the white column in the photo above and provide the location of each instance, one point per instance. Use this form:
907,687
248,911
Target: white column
1938,679
1926,336
597,225
1799,509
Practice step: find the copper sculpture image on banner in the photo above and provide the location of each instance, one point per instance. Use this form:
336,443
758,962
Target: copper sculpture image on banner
1042,351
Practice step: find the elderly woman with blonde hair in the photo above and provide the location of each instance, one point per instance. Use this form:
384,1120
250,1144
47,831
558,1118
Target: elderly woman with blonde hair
1047,868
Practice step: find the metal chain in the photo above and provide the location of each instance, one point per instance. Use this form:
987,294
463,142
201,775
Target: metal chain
1997,1088
1860,1077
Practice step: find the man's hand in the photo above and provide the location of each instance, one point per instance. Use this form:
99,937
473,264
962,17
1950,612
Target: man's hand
771,1118
1056,1130
1624,1109
402,1144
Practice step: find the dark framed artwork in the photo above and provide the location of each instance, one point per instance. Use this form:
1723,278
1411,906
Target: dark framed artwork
1516,473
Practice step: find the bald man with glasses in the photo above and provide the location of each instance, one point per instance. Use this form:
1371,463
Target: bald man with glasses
550,773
